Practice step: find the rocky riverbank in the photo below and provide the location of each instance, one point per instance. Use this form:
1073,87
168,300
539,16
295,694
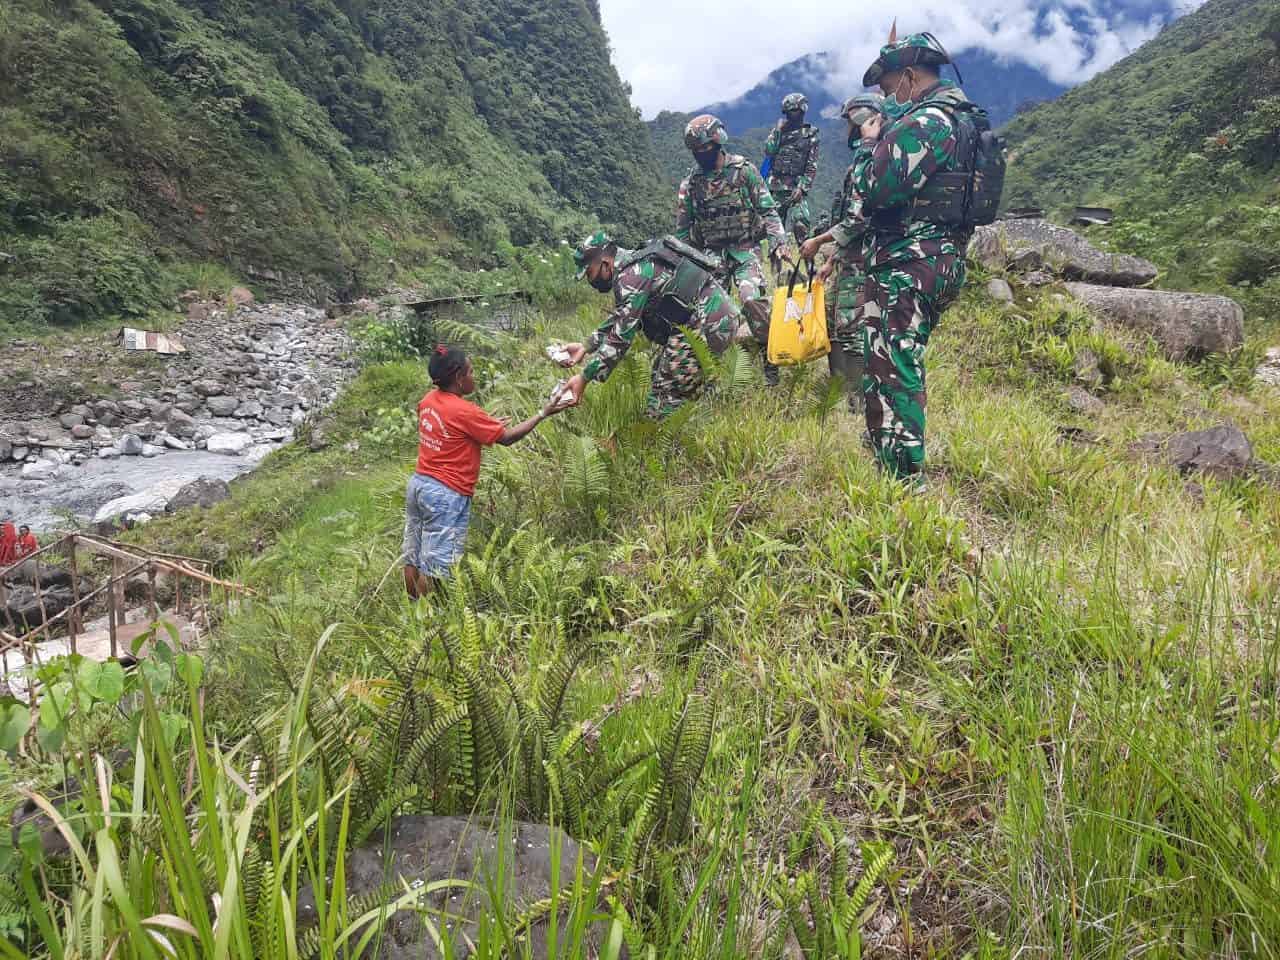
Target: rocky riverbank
88,430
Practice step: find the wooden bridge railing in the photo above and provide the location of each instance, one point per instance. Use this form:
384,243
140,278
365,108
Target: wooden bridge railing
126,562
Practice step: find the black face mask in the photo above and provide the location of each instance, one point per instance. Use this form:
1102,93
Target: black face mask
707,159
602,282
794,118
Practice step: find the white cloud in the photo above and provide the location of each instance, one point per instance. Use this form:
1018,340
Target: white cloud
678,55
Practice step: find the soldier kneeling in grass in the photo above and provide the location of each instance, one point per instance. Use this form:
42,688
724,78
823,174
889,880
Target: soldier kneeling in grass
451,431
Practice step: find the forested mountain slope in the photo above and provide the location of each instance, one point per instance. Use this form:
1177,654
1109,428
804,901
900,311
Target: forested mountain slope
350,142
1183,136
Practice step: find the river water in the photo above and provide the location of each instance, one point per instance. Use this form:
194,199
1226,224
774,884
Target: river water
78,491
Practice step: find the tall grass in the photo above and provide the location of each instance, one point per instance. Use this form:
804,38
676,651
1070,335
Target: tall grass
1037,704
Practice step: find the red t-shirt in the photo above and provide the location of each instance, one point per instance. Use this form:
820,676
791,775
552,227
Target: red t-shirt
451,431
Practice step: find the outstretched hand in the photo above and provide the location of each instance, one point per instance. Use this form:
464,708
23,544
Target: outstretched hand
810,248
576,352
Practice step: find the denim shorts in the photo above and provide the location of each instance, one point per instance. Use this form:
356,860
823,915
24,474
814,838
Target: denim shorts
435,526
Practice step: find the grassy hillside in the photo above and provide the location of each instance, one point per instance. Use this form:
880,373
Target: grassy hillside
1182,136
1033,709
338,144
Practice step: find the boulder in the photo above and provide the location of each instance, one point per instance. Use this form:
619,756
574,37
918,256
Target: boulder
25,606
208,388
1268,373
1082,401
101,407
232,444
134,409
241,296
40,470
202,493
6,449
159,410
69,420
423,849
1029,245
152,500
130,445
82,431
222,406
1185,325
173,443
1221,452
320,435
259,453
1000,290
249,409
180,424
151,450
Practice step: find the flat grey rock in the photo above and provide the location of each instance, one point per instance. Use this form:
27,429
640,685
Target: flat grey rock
1221,452
203,493
424,849
1037,245
1187,326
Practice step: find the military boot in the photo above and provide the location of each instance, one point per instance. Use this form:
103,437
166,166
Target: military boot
771,378
854,366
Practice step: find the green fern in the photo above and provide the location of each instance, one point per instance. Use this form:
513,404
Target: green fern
826,396
586,473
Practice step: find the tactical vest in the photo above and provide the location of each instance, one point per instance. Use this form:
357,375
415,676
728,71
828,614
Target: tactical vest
672,305
968,194
729,218
794,149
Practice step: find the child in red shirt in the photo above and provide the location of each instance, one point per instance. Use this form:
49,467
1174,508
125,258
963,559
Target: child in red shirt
27,544
451,431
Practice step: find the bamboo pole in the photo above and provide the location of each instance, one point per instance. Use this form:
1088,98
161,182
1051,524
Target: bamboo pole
44,614
73,621
112,608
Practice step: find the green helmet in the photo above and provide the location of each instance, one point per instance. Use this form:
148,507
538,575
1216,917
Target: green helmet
704,131
588,248
795,101
860,106
919,49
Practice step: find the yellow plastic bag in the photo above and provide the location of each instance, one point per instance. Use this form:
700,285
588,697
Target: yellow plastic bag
798,322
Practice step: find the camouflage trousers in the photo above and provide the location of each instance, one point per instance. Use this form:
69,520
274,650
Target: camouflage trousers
800,218
676,376
847,308
746,275
903,302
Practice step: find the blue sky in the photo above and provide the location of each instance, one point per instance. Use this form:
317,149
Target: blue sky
678,54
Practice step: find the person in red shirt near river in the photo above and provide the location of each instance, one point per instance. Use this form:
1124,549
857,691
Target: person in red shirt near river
8,543
451,431
27,544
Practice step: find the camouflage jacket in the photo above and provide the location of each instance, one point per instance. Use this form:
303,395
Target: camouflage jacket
755,202
892,170
804,145
633,289
850,230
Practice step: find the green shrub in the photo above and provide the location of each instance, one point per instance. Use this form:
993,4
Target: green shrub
83,269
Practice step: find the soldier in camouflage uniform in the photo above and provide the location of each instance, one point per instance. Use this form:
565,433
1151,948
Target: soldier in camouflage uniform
725,208
791,160
915,266
662,285
848,234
